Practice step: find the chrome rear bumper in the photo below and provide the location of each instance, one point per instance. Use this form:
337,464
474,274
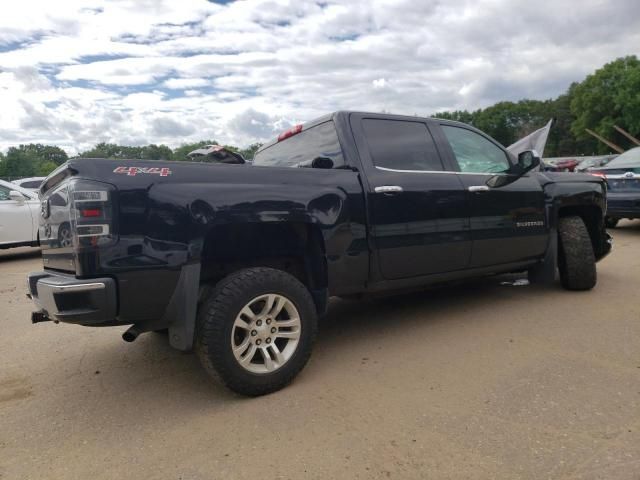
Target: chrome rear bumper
64,298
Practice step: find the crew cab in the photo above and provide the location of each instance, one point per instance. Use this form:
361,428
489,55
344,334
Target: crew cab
238,261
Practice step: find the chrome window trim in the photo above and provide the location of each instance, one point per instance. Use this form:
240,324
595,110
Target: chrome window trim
447,172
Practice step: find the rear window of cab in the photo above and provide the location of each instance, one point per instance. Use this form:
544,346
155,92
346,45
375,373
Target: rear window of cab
299,149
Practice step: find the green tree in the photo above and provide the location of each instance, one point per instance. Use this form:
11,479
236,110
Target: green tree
457,116
250,151
112,150
610,96
44,168
32,160
102,150
157,152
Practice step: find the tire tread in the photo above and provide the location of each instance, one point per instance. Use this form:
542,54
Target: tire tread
576,260
218,307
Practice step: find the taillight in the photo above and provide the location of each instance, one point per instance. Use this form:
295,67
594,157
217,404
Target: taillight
90,212
91,206
599,174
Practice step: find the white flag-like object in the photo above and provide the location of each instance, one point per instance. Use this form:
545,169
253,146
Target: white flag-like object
534,141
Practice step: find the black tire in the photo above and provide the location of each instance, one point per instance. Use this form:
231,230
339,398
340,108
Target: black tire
576,260
611,222
216,317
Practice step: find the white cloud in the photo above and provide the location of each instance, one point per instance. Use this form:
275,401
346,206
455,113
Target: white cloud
78,72
182,83
379,83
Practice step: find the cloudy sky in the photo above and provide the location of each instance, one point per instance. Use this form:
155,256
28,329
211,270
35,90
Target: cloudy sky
74,73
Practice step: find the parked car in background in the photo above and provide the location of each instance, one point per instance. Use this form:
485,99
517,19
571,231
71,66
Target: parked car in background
561,165
623,179
30,183
19,216
594,162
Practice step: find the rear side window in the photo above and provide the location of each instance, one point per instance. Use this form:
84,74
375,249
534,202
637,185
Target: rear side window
302,148
31,184
401,145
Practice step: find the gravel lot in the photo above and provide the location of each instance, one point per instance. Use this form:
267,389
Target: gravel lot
475,381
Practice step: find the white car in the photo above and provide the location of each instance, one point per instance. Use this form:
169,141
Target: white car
30,183
19,216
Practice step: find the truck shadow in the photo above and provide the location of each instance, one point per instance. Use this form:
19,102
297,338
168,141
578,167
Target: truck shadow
415,311
150,362
626,226
148,379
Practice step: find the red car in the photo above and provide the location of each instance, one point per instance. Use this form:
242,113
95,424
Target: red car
568,165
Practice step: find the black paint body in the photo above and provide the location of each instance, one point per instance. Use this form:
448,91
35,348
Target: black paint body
328,225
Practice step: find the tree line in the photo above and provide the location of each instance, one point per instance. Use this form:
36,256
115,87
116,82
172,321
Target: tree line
609,96
35,160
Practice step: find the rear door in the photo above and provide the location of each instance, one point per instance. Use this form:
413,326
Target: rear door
418,212
508,223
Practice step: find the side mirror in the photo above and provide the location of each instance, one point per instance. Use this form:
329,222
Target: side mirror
528,160
17,196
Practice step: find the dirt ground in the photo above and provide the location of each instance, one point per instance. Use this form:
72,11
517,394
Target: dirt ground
478,381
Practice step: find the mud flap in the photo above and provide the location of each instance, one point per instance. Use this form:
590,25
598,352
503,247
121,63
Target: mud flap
181,312
545,271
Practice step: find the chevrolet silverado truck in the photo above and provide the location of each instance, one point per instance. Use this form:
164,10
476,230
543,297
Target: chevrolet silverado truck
237,262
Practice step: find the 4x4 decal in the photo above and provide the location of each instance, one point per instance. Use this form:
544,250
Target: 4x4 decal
133,171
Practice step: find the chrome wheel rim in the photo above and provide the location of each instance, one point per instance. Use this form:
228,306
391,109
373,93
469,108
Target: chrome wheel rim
65,237
266,333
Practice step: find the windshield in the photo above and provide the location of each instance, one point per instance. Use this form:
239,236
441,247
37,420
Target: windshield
18,188
630,158
301,148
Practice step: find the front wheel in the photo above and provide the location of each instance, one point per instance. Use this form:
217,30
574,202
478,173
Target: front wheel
256,329
576,260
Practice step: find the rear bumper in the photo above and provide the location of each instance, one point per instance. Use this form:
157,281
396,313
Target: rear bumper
64,298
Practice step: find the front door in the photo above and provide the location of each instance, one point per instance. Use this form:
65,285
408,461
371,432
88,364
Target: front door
418,212
508,222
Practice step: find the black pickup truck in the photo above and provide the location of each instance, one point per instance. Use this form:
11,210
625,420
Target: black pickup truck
238,261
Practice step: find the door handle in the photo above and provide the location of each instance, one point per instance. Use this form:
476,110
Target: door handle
478,188
388,189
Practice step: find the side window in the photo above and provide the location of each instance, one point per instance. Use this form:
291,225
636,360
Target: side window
4,193
401,145
475,153
318,141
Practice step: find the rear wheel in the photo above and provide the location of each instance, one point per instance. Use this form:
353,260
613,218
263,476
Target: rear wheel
611,222
256,329
576,260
